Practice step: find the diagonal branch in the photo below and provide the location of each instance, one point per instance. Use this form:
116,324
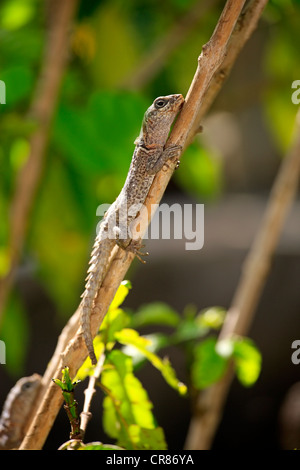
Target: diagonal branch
75,352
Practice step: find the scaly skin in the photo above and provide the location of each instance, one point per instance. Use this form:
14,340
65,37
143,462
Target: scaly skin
148,158
16,409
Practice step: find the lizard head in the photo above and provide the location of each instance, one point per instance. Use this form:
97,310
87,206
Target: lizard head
159,118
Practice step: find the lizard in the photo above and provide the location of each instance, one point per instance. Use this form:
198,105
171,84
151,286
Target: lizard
16,410
149,157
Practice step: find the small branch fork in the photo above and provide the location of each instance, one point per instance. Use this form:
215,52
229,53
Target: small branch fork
89,392
219,51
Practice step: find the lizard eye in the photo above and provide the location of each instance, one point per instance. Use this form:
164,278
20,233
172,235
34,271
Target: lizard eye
160,103
26,386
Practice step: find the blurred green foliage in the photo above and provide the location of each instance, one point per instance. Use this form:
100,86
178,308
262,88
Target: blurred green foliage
97,120
127,409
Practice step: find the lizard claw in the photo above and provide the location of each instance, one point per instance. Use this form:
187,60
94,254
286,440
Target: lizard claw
135,247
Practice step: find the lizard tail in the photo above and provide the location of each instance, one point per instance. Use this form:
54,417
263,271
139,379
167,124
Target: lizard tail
97,270
86,309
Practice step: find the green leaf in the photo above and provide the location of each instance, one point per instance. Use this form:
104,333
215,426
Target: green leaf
208,366
66,383
247,360
147,439
87,136
212,317
155,313
211,359
156,341
127,392
131,337
127,408
114,321
121,294
187,330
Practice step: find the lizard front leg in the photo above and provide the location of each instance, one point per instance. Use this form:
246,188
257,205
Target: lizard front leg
173,151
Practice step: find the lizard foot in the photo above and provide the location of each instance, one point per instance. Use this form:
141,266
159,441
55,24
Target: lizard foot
135,247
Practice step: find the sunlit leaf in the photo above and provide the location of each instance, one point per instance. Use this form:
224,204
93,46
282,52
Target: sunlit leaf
121,294
156,341
131,337
247,359
16,13
212,317
114,321
208,366
147,439
127,408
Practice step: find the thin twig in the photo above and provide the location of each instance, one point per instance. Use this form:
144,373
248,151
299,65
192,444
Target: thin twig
75,352
42,111
89,392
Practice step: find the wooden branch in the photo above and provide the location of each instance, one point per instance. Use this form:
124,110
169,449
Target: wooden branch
75,351
243,30
248,292
42,111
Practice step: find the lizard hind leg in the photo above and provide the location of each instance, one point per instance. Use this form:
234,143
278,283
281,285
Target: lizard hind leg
134,246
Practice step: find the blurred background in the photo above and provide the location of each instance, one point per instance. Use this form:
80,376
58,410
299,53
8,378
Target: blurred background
121,56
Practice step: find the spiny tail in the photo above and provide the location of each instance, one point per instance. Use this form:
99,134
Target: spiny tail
97,270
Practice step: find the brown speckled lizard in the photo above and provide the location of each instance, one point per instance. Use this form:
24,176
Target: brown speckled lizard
148,158
17,406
